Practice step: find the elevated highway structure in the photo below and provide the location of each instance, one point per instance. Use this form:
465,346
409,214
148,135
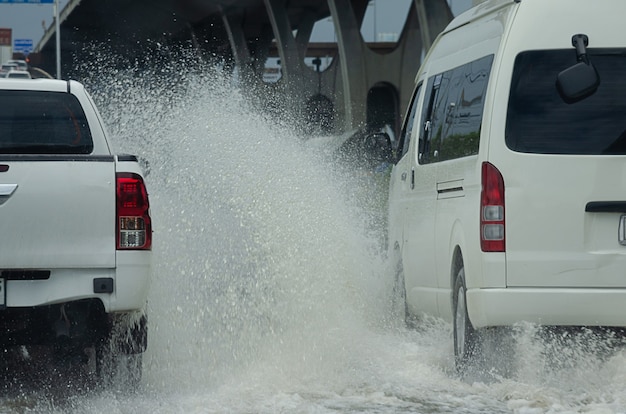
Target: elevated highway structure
365,85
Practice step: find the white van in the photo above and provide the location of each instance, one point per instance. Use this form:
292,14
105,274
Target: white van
508,196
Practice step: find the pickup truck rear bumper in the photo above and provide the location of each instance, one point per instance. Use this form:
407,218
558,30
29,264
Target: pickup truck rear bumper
129,281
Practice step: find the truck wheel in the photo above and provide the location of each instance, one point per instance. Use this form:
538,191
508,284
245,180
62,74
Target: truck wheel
119,371
119,360
466,339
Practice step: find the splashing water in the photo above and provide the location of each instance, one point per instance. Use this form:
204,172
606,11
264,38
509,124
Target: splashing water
258,253
270,291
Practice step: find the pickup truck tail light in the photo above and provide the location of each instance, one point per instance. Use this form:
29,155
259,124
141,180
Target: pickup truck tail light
134,227
492,228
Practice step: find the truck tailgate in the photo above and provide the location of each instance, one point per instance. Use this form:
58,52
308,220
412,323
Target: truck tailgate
57,212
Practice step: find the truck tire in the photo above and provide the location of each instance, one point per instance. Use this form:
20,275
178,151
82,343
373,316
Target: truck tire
119,354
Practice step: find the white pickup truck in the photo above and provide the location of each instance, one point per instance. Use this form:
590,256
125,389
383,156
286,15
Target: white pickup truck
75,231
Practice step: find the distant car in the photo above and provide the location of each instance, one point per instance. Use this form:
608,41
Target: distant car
21,64
366,148
7,67
20,74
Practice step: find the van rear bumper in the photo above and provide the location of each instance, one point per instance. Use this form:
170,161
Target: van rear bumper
547,306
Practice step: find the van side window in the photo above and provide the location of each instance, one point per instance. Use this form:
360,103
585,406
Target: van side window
453,115
426,152
407,128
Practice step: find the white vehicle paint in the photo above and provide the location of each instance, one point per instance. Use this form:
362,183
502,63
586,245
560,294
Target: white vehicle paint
75,252
20,74
487,102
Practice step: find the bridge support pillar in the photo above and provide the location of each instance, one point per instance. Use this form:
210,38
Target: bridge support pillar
239,47
352,61
292,50
362,70
358,86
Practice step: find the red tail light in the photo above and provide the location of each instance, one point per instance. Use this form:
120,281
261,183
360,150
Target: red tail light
492,229
134,227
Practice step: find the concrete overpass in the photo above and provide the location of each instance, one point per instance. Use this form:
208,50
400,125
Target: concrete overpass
362,86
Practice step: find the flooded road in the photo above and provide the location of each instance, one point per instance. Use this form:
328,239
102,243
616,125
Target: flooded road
271,293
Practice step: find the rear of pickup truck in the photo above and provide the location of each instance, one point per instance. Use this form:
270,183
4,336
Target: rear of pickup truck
75,230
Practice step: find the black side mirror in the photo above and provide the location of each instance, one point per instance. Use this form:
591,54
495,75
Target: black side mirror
580,80
378,146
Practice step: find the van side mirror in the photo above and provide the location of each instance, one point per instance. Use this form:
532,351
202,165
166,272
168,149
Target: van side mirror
580,80
378,146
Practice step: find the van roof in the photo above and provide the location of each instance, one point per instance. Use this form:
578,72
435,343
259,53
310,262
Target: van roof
477,12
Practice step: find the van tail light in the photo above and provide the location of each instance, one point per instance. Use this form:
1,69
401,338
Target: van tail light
134,227
492,229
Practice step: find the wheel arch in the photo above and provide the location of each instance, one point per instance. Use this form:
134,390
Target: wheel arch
456,259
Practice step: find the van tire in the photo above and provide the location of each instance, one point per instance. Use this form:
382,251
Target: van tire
482,354
466,338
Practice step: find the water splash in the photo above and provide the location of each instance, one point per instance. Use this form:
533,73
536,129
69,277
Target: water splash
257,248
270,291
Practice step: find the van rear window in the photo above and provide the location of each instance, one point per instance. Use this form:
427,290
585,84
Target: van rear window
539,121
37,122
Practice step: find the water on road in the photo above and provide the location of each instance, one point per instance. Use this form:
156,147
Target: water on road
271,293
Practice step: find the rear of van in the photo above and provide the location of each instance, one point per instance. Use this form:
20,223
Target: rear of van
562,167
507,201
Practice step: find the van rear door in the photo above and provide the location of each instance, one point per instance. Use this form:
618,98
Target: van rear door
566,177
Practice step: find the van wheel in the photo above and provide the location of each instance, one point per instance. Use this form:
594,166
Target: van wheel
466,339
484,354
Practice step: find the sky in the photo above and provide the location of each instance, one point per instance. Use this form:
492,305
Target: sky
29,21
